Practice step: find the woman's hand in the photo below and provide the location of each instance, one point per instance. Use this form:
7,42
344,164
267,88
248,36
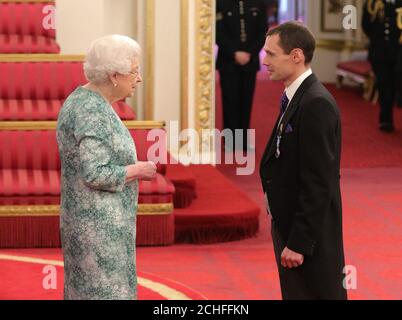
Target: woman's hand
142,170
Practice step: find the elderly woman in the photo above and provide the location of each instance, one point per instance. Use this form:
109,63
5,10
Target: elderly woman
99,173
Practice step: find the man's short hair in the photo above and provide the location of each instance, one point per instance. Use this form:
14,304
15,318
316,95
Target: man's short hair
294,35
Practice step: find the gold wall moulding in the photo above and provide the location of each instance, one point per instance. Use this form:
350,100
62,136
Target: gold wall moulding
51,125
205,11
184,69
54,210
27,1
41,57
339,45
150,60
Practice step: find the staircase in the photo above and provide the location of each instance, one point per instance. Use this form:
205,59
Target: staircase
35,79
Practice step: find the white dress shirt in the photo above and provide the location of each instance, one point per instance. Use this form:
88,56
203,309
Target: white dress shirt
292,89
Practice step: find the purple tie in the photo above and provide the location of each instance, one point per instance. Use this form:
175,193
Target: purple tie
284,103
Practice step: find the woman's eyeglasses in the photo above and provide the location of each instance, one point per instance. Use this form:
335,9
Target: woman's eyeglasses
134,74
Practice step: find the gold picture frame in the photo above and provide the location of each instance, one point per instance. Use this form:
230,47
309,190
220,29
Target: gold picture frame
332,16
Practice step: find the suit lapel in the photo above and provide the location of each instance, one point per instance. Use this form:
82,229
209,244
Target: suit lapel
270,149
270,142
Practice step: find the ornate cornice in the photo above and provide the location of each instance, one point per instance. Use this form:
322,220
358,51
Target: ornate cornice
184,72
205,13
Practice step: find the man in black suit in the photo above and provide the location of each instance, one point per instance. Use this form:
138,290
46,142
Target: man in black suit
240,34
380,24
300,172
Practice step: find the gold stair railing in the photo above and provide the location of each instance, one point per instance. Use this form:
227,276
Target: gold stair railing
51,125
7,211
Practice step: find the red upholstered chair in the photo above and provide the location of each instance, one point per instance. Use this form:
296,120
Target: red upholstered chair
16,43
185,184
42,110
30,176
182,178
22,30
30,166
37,90
359,70
143,145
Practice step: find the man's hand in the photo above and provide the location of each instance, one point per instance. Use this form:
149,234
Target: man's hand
242,57
291,259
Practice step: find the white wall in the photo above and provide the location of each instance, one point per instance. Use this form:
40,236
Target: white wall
167,60
325,60
79,22
324,63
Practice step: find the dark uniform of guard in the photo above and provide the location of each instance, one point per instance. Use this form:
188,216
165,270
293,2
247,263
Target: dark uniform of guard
380,23
241,27
399,66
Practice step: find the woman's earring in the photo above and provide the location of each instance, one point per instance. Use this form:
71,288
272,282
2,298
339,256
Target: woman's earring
115,84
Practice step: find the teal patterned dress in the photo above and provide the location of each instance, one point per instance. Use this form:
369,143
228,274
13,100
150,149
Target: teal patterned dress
98,209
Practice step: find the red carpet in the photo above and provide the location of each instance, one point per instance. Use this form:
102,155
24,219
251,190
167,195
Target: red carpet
23,280
246,269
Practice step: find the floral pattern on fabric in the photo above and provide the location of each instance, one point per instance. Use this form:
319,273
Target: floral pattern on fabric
98,208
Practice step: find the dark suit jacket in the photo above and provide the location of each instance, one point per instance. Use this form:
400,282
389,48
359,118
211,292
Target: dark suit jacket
303,187
228,33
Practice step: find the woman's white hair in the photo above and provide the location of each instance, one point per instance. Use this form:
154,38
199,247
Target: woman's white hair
109,55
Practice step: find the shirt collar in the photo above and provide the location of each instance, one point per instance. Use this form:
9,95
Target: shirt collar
292,89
